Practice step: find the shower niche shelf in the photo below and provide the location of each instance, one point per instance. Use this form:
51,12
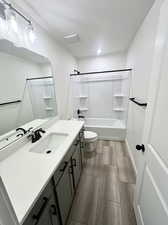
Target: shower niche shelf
119,109
83,109
49,109
82,96
119,95
47,97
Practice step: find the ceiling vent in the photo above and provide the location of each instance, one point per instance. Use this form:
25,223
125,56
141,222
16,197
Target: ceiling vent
72,38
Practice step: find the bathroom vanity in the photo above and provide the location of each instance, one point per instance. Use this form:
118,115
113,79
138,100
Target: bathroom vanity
54,203
41,185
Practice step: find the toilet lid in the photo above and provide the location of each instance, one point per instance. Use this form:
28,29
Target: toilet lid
89,135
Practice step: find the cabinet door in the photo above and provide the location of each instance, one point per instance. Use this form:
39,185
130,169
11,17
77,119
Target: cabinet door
76,164
44,216
65,193
42,211
49,216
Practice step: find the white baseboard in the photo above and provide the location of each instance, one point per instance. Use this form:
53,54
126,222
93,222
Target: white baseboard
131,156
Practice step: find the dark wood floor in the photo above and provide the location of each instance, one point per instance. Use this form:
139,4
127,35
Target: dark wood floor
105,191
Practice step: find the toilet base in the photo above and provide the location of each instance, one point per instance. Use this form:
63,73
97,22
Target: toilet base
91,146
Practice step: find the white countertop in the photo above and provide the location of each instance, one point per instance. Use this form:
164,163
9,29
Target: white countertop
25,173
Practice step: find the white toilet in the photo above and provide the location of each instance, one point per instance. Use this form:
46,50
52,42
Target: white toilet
90,140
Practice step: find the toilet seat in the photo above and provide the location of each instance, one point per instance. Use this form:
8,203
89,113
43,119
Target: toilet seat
90,136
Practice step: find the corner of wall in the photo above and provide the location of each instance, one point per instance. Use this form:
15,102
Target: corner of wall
131,156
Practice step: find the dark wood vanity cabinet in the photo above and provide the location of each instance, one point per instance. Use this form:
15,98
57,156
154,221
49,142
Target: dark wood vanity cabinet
66,179
45,211
64,190
49,216
54,204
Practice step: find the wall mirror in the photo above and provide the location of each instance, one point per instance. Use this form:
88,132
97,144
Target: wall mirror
27,92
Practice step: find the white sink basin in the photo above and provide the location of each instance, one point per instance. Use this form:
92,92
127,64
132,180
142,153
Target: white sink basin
49,144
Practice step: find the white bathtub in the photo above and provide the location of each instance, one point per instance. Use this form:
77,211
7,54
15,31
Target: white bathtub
107,129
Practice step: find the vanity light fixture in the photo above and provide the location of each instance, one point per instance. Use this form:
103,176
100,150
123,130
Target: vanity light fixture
2,10
10,16
3,24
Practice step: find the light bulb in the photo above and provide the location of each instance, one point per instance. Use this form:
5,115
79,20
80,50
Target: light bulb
3,24
31,34
2,10
11,18
14,24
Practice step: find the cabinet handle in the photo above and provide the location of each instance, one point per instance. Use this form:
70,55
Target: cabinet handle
70,170
53,209
64,167
77,142
74,162
82,144
37,217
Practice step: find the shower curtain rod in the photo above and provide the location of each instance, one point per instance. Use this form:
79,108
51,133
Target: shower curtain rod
11,102
106,71
39,78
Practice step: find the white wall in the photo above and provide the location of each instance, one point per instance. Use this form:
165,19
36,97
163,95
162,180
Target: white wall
62,61
99,63
140,58
96,90
101,90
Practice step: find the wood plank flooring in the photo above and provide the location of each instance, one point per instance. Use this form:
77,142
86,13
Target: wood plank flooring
105,192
